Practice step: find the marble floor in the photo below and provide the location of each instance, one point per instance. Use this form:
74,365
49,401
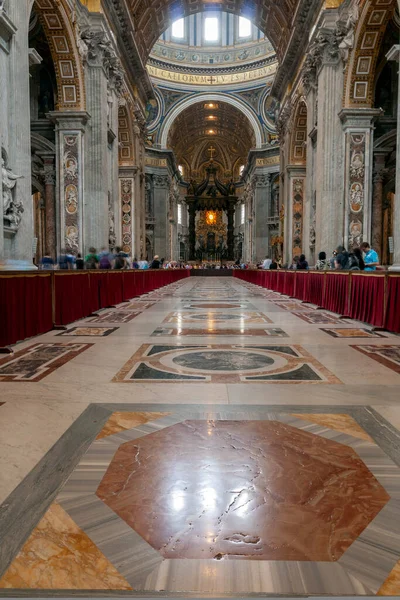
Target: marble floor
255,450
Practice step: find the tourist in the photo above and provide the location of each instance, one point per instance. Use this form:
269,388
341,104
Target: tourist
155,263
64,260
341,258
135,264
359,255
79,262
371,258
302,265
322,263
294,265
47,262
105,259
91,259
274,265
267,263
119,259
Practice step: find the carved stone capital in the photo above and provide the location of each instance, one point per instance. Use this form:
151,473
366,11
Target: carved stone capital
97,50
162,181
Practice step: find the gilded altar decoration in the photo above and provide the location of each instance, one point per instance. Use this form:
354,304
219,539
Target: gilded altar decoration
277,240
216,225
211,217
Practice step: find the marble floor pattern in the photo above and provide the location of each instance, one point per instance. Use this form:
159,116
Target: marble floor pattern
280,476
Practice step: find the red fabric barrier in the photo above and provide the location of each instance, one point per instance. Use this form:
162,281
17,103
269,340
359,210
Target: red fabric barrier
289,282
301,287
336,292
315,288
75,297
280,281
367,299
392,321
25,307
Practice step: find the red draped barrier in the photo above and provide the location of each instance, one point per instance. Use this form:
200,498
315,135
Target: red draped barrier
280,281
25,306
290,277
392,320
367,299
315,288
300,291
336,292
30,304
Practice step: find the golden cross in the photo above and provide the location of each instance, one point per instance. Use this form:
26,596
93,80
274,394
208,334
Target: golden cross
211,150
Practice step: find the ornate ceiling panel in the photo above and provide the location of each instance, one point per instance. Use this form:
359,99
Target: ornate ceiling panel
221,126
152,17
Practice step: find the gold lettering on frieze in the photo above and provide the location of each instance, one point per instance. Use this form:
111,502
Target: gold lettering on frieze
270,160
155,162
215,79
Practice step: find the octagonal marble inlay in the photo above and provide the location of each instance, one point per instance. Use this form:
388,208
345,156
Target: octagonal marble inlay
242,490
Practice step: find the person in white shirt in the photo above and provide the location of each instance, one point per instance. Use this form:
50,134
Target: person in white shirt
267,263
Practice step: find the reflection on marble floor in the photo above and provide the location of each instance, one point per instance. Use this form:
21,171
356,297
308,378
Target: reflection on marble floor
338,332
217,317
224,364
114,316
37,361
259,490
89,331
389,356
245,501
240,331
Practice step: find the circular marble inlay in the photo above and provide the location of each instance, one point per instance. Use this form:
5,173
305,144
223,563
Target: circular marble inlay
223,360
260,490
217,317
217,305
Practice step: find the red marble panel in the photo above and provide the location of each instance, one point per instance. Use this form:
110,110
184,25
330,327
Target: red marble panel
242,490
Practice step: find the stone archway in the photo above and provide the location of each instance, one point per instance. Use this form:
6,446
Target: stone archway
208,97
60,35
360,72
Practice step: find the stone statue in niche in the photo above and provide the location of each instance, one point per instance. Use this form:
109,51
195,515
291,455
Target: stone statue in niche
356,197
12,209
347,42
2,5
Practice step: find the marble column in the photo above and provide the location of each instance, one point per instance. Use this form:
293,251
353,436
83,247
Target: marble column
126,191
192,230
262,203
377,201
70,130
50,203
394,54
231,229
309,193
96,152
329,152
16,243
358,127
161,193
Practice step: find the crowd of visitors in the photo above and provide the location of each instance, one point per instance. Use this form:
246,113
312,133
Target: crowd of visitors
363,258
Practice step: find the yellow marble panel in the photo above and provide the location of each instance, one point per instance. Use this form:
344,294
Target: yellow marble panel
59,555
343,423
121,421
391,587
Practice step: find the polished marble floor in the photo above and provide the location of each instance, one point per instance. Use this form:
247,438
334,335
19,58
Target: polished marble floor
255,450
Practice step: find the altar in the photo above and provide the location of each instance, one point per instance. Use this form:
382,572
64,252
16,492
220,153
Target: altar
211,206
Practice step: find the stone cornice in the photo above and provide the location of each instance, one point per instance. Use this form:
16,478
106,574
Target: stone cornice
7,30
297,46
359,117
211,70
118,14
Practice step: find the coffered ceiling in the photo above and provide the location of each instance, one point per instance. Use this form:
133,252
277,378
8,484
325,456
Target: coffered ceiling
218,125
